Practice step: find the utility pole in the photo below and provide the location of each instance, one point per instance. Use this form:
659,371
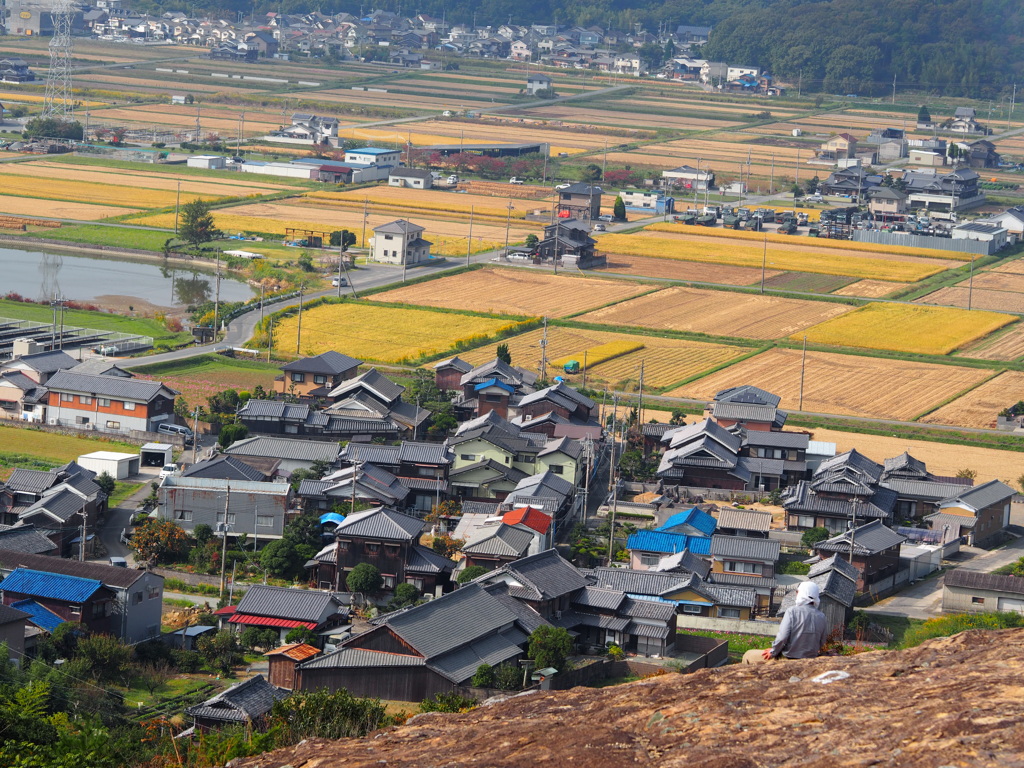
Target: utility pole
341,259
366,202
508,224
1013,103
262,287
469,240
584,369
216,301
970,287
224,540
614,486
355,471
405,250
82,540
177,205
270,337
195,432
771,182
803,368
894,88
543,372
298,336
640,404
764,261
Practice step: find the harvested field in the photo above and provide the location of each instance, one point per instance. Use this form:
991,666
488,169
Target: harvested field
979,407
500,129
1015,267
807,283
515,292
688,271
597,116
27,206
440,201
718,313
870,289
1001,281
224,120
382,334
907,328
960,295
110,194
1006,345
198,379
941,458
666,361
723,251
847,385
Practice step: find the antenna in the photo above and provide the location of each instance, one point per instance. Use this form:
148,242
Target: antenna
57,102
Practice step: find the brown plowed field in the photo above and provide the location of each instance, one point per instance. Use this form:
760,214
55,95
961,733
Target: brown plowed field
666,361
515,292
958,295
979,407
718,313
684,270
847,385
869,289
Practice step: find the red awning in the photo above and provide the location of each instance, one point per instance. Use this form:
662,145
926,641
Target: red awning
267,621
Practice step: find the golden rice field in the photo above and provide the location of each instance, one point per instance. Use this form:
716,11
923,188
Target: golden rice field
381,334
839,245
718,313
602,353
184,116
845,385
438,201
1005,345
666,361
779,259
85,191
59,209
37,98
515,292
980,407
598,116
906,328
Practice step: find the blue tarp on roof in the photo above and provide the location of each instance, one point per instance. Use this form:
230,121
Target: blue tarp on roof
694,518
669,543
40,615
332,517
495,383
55,586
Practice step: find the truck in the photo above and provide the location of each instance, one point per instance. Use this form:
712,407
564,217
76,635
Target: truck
707,220
687,217
573,366
788,227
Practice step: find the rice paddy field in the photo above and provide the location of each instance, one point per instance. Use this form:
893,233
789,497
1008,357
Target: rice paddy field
381,334
437,201
686,271
514,292
718,313
199,378
905,328
1005,345
846,385
666,361
980,407
869,289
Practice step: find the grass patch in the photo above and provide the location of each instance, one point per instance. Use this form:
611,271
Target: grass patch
51,448
610,681
944,626
102,321
96,234
738,643
898,625
122,491
805,281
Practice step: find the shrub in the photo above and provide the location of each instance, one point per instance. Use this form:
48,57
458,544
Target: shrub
301,635
550,646
508,678
186,662
813,536
364,578
473,572
483,677
447,702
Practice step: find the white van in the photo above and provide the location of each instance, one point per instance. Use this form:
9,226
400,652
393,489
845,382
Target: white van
176,429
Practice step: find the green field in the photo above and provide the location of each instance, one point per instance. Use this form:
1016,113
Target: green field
102,321
96,234
199,377
807,282
45,450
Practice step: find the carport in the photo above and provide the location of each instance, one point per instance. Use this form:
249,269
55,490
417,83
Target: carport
118,465
157,454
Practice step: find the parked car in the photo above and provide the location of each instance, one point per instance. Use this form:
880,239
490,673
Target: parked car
453,179
168,469
339,281
562,186
176,429
606,217
599,227
515,180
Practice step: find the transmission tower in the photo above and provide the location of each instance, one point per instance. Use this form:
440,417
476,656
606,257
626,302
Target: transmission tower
58,79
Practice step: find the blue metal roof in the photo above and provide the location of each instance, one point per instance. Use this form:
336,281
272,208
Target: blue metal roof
56,586
40,615
692,517
372,151
669,543
495,383
332,517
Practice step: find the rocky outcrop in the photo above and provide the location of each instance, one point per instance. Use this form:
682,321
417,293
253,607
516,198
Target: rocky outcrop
955,701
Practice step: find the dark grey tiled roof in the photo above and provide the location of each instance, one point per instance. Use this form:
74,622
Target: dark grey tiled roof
244,702
460,664
283,448
423,560
747,394
26,538
685,561
599,597
801,498
454,362
20,380
353,658
108,386
224,468
527,617
99,366
501,541
564,445
499,369
959,577
834,563
62,505
745,547
48,362
545,575
9,615
373,380
275,409
30,480
329,363
407,452
652,583
756,466
795,440
906,466
981,496
868,539
512,474
480,507
381,523
732,597
922,489
647,609
744,519
289,603
560,392
744,412
955,522
109,575
739,580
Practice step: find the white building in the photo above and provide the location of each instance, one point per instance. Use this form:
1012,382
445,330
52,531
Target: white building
210,162
985,232
399,242
374,156
537,81
1012,220
733,73
688,177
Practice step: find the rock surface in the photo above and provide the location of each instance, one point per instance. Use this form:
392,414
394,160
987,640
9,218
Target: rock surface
955,701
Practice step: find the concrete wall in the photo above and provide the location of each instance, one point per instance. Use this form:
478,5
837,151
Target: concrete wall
767,628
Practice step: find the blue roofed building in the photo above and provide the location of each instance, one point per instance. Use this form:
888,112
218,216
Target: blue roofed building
692,522
38,614
72,598
647,548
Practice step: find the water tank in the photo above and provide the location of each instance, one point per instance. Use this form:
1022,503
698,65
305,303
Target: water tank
22,347
798,132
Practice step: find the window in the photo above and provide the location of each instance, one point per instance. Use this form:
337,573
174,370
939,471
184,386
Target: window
184,515
389,582
343,545
66,398
804,521
691,609
418,583
388,237
729,613
493,398
129,406
372,549
113,425
467,456
136,598
558,469
319,379
104,401
153,592
298,378
649,560
391,550
978,600
426,471
735,566
85,400
101,609
264,521
231,518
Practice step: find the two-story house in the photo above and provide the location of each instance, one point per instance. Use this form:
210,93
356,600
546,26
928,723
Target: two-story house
873,549
316,376
749,407
495,386
742,561
560,399
978,514
568,243
257,509
288,608
579,201
400,242
51,599
420,467
371,399
108,403
387,539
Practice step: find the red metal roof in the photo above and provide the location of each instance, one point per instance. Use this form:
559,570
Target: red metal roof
295,651
227,610
267,621
530,517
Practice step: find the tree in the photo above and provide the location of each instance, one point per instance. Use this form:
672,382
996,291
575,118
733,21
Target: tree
619,209
105,482
923,115
406,594
153,675
221,651
53,128
812,185
813,536
197,226
591,172
483,677
325,714
108,658
796,190
364,578
255,637
231,433
159,541
446,545
302,635
550,646
281,558
531,240
508,678
503,353
1020,482
678,417
473,572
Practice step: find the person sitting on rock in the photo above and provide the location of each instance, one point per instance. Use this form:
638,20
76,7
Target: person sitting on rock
802,632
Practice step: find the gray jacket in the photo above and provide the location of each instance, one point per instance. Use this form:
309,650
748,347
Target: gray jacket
802,633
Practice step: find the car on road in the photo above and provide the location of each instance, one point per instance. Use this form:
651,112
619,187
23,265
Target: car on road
339,281
562,186
599,227
515,180
606,217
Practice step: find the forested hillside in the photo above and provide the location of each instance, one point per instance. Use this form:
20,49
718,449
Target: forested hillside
969,47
